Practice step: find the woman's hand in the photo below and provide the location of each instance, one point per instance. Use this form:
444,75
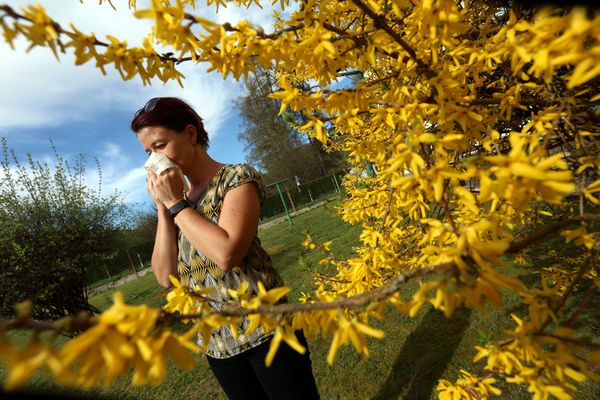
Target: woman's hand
152,192
165,189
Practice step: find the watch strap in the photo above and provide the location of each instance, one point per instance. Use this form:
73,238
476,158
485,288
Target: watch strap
177,207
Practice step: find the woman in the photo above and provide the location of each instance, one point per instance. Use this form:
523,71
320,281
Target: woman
208,238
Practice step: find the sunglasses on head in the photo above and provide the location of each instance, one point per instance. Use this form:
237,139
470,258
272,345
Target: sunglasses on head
149,106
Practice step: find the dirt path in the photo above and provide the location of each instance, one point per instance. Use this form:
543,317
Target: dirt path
118,282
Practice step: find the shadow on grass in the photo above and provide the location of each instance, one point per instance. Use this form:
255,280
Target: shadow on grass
518,307
425,356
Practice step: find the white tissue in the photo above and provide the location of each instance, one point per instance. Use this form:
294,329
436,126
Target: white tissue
157,163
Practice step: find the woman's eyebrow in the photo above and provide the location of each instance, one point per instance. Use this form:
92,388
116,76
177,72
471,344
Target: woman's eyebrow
152,145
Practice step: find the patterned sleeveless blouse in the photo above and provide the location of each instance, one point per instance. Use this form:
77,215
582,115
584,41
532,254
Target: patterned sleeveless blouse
195,270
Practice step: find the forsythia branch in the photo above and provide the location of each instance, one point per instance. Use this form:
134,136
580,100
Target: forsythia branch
554,227
381,22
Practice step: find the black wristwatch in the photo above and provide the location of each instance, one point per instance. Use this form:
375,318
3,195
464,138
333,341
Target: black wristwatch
177,207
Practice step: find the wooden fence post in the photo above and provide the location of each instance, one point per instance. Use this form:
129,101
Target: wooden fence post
132,265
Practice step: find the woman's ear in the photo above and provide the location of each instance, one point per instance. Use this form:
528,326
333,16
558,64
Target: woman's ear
190,130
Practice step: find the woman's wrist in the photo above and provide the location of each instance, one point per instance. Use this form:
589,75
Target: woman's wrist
170,203
163,211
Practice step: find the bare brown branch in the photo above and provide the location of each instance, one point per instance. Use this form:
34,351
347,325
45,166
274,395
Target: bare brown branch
515,247
575,341
585,303
359,301
67,325
329,279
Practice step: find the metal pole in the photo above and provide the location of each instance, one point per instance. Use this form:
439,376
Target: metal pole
337,186
141,263
290,198
284,204
132,264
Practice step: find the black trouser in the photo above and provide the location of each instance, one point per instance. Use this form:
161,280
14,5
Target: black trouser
245,375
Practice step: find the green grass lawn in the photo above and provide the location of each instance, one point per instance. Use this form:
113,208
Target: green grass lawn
406,364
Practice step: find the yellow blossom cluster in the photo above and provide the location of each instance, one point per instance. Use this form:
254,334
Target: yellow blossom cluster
39,30
122,338
562,278
467,387
526,359
482,124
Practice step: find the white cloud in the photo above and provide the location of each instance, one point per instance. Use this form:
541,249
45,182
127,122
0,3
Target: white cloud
130,183
39,91
118,174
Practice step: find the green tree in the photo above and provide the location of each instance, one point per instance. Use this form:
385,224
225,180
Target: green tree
271,142
53,231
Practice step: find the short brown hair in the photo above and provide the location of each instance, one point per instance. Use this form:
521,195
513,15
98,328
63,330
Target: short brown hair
170,113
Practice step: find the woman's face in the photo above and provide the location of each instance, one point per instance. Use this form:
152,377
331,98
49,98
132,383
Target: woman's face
179,147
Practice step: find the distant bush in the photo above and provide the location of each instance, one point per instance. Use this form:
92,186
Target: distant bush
120,261
53,231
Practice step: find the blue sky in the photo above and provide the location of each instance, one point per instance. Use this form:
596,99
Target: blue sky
83,111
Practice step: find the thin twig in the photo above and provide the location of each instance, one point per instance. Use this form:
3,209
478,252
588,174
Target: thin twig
329,279
73,324
381,22
580,272
589,296
12,13
388,207
447,212
515,247
576,341
382,79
